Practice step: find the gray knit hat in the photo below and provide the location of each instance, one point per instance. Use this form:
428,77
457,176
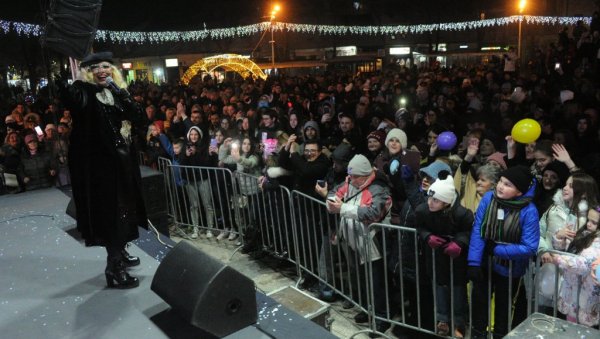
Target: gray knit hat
360,165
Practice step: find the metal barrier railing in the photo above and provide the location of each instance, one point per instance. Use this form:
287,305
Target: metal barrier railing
546,291
397,287
208,203
331,252
405,256
170,182
266,215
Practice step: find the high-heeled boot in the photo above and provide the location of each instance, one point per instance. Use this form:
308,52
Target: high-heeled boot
117,276
129,260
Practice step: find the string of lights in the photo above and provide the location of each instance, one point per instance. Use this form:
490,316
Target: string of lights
122,37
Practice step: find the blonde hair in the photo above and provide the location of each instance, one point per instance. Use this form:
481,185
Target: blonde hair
86,75
149,132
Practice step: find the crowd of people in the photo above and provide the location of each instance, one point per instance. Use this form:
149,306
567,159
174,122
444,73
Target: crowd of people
368,144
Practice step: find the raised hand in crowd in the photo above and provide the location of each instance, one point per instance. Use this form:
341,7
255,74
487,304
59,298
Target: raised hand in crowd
433,149
561,154
291,140
472,149
325,118
511,147
235,151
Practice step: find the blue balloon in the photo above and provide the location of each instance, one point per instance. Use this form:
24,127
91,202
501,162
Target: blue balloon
446,141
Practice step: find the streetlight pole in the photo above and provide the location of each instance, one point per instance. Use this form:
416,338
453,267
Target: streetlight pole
276,9
272,49
522,4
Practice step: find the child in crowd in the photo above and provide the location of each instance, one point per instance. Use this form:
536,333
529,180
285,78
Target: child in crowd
579,192
507,228
445,225
579,295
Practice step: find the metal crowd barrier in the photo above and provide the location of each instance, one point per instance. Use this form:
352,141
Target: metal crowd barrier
538,289
266,216
397,288
205,199
414,285
330,253
164,166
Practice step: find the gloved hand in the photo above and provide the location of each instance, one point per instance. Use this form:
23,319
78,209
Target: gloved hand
407,173
452,249
122,94
474,273
434,241
394,166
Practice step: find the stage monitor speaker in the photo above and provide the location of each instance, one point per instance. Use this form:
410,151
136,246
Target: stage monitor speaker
71,26
205,292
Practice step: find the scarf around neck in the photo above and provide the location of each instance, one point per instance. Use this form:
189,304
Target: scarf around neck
503,226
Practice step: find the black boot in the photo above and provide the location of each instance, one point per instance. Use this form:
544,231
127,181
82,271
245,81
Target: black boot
117,276
129,260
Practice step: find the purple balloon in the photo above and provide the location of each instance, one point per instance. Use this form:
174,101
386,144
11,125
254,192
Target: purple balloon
446,141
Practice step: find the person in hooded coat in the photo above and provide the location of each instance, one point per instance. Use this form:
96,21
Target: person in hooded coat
103,163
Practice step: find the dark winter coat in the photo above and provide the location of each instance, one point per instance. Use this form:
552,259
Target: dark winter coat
104,168
306,173
37,168
453,224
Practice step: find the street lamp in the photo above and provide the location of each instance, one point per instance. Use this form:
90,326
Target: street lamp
276,9
522,4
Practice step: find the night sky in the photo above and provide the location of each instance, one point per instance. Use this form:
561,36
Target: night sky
143,15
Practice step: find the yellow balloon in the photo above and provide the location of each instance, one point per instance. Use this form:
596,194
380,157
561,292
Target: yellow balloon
526,131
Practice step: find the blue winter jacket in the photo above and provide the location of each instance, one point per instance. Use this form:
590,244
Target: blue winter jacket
518,252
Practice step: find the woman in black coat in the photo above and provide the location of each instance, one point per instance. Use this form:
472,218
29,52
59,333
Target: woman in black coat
103,162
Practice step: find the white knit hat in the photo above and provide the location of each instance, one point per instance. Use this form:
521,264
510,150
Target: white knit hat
398,134
443,190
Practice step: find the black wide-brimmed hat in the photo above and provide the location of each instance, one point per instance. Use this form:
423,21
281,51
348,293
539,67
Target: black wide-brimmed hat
94,58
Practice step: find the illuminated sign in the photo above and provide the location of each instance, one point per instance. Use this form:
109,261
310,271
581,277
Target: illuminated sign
345,51
171,62
399,50
126,65
491,48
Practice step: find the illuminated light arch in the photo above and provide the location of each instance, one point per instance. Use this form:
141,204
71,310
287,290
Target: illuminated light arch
230,62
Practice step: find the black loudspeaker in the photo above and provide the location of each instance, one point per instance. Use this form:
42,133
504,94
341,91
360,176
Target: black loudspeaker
204,292
155,198
71,26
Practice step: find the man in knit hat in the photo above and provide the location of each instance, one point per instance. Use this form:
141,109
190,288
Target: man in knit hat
507,228
361,200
